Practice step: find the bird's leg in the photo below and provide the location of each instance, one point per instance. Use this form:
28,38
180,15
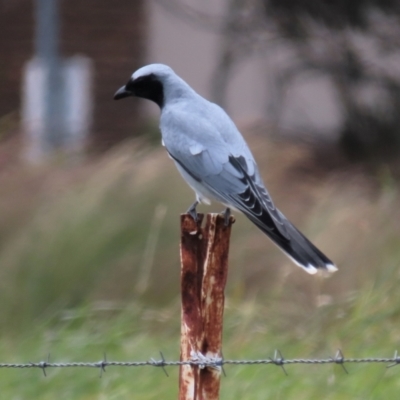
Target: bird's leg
192,211
227,215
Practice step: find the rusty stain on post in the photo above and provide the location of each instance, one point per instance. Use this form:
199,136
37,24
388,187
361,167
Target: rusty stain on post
204,269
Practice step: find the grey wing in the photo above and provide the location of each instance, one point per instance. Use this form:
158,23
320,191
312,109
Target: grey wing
233,180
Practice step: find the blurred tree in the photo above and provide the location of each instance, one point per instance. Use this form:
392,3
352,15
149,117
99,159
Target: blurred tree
355,44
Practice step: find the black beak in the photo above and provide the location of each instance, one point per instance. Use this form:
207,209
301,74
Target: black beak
121,93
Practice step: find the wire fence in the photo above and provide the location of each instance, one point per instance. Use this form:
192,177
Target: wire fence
208,362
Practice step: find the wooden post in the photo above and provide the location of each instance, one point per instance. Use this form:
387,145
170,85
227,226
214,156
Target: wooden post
204,269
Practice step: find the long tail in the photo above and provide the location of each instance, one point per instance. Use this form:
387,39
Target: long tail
298,248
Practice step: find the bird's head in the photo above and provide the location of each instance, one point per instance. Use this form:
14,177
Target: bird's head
148,83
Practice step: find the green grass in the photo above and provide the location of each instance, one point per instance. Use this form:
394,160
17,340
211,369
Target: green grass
252,331
89,263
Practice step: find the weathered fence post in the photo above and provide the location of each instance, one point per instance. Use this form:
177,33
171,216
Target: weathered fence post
204,269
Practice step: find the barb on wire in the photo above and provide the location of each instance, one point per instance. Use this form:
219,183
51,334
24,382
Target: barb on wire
339,359
396,360
102,365
160,363
279,360
221,364
42,364
202,361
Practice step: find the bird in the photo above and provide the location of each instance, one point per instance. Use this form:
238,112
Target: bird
214,159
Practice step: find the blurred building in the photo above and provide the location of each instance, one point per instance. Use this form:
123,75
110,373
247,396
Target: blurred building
111,34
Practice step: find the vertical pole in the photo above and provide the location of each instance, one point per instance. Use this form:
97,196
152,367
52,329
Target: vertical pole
47,29
204,269
47,50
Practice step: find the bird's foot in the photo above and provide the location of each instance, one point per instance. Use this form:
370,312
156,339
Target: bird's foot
192,211
227,216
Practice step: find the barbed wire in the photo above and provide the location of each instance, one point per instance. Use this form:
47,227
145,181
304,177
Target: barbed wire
208,362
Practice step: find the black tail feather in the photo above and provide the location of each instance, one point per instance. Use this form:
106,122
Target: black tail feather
297,247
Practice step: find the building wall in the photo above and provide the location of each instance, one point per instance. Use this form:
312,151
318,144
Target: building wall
112,34
16,44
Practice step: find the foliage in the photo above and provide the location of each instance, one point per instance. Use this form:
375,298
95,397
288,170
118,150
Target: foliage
337,14
351,43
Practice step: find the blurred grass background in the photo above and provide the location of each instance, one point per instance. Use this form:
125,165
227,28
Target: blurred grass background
90,264
89,232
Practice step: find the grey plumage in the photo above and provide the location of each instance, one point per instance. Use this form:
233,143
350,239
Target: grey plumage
214,159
